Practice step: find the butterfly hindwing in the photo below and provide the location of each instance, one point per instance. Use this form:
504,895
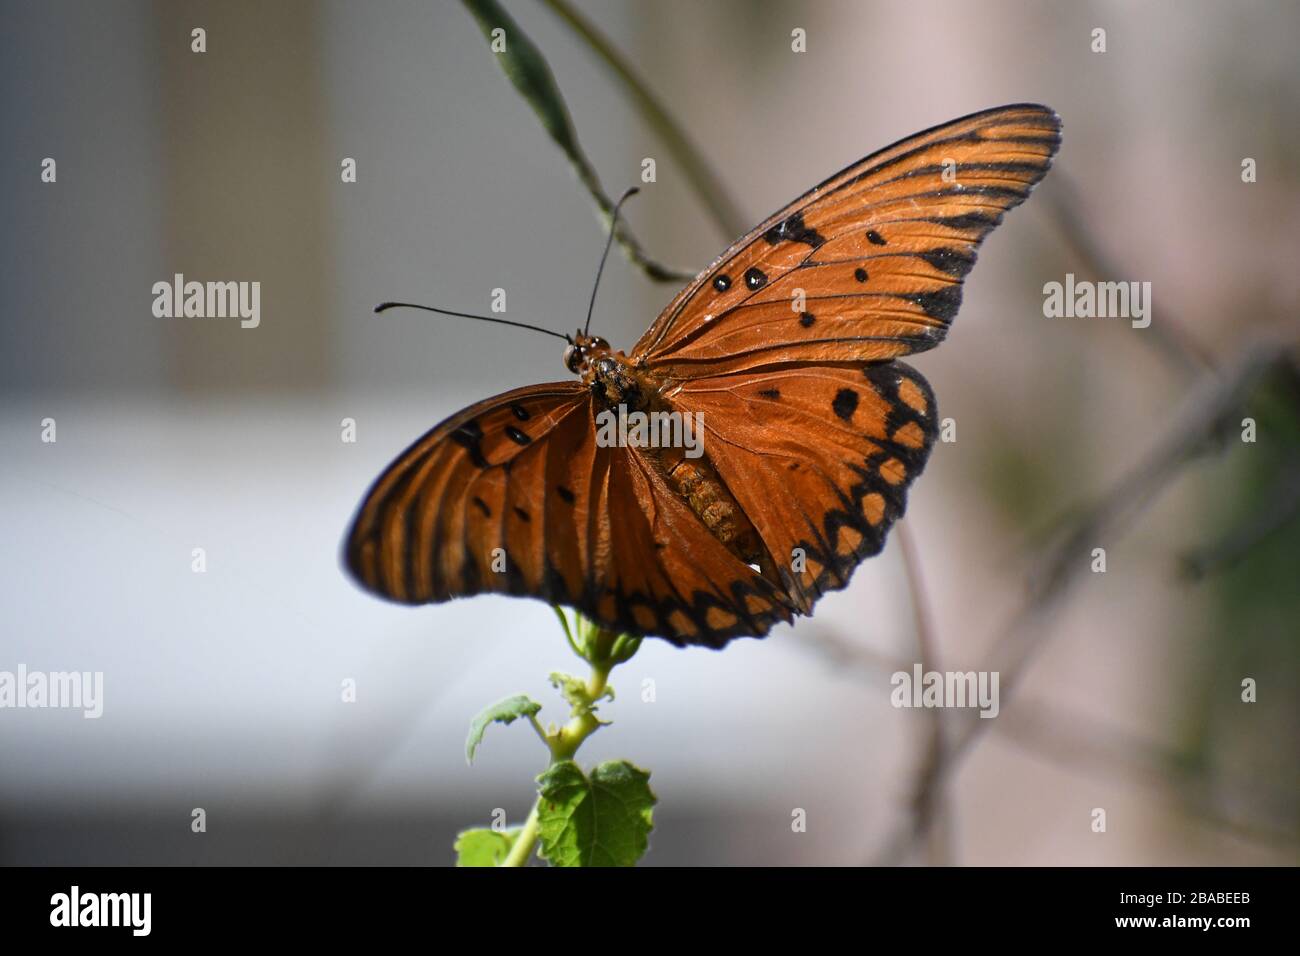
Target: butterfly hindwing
666,574
867,266
820,458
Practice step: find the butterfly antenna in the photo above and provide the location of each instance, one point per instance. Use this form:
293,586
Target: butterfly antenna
468,315
609,241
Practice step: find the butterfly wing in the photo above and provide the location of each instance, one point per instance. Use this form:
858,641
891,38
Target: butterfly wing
664,573
427,528
785,343
820,458
866,266
515,496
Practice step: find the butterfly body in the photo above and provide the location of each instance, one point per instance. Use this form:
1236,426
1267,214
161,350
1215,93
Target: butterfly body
620,387
612,379
785,351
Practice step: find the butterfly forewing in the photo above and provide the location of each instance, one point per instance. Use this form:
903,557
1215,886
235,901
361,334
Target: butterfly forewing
428,525
866,266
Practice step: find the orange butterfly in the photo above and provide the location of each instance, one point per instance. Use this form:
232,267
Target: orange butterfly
786,346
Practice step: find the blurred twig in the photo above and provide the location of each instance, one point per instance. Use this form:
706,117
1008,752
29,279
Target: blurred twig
1069,738
1022,637
709,187
1169,332
1282,499
527,69
1283,505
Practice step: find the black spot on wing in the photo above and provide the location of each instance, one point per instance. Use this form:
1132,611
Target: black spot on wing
470,437
971,220
860,274
722,282
940,304
845,404
875,238
482,506
522,514
755,278
568,496
520,412
770,393
807,319
955,262
793,230
516,436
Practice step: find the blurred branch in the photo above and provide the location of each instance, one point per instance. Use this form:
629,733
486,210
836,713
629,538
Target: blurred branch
1284,504
1170,333
1202,420
528,71
709,187
1069,739
1072,739
1282,498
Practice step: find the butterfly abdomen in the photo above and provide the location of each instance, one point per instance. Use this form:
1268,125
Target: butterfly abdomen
616,383
699,485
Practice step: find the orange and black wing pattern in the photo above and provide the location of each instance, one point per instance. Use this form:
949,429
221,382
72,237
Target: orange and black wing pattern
786,347
515,496
868,266
436,523
820,458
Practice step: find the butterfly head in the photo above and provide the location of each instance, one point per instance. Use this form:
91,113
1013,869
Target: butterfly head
579,357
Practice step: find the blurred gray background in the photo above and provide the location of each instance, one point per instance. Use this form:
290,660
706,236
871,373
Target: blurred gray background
222,689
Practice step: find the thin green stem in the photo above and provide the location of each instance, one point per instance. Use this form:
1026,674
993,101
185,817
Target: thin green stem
563,744
541,732
522,851
570,737
526,68
708,185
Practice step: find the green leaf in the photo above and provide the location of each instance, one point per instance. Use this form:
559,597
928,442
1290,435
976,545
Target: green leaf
481,847
573,690
502,712
601,820
530,74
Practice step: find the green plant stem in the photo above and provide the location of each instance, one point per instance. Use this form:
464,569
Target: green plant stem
541,733
564,743
522,851
570,737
